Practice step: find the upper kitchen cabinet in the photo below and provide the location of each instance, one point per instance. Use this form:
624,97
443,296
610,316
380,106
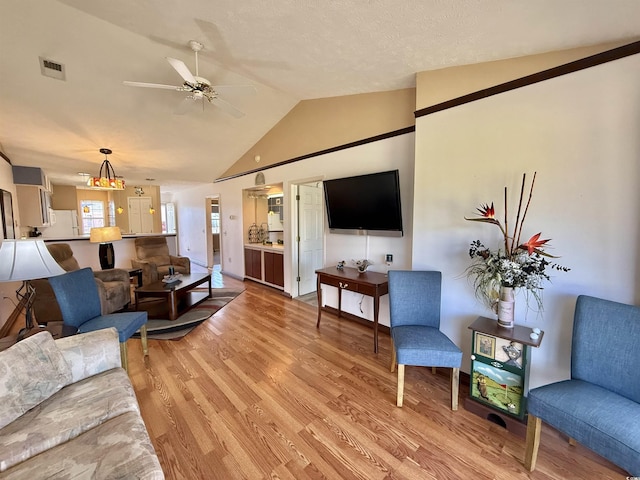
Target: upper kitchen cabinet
33,195
275,213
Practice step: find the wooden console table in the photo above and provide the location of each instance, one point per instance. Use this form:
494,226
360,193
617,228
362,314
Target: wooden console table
372,284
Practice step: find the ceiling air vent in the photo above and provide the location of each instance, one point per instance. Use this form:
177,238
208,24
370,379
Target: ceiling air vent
52,69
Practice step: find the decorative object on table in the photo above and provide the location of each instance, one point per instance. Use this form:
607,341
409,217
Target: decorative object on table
107,178
104,236
497,273
26,260
340,265
172,278
362,265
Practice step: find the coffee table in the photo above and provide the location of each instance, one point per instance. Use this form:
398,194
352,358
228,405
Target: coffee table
180,296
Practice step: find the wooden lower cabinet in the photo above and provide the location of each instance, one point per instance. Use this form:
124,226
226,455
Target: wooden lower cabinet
274,268
264,266
253,263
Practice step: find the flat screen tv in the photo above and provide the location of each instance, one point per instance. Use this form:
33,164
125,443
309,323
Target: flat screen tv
365,204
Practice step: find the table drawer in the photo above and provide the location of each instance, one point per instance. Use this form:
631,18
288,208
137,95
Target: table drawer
344,284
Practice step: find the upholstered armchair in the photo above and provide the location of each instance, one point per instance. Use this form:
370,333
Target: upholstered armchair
153,258
113,287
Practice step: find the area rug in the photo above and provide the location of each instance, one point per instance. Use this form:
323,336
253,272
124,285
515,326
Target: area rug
159,329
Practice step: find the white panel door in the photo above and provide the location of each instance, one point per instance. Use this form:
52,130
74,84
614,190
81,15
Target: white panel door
310,252
140,219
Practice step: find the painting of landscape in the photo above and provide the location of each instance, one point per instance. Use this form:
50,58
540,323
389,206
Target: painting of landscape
500,388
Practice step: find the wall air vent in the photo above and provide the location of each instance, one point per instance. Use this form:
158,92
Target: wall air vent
52,69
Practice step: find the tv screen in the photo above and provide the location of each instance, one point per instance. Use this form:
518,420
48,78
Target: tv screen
365,204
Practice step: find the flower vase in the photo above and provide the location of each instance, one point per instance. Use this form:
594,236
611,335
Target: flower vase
506,306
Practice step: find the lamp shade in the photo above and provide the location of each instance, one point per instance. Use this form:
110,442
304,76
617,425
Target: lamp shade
22,260
105,234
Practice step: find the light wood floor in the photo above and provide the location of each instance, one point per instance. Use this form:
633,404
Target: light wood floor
258,392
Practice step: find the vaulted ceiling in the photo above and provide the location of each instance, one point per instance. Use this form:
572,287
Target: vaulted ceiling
289,50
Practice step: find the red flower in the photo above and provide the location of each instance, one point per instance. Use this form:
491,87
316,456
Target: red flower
534,244
487,211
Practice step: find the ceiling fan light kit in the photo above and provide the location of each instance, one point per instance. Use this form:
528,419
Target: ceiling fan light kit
198,88
106,179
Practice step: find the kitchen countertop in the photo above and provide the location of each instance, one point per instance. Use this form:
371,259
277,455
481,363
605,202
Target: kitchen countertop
270,248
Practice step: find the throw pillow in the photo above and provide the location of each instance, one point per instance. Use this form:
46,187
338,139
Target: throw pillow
30,372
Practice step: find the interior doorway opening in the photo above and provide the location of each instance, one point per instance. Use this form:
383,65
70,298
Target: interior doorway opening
214,245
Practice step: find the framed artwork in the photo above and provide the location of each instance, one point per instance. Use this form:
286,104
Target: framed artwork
499,388
485,345
509,352
6,214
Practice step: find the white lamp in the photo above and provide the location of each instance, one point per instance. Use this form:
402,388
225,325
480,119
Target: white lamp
104,236
25,260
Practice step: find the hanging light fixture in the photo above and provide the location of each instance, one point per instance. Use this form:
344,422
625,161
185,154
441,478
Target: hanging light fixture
152,210
120,209
86,209
106,179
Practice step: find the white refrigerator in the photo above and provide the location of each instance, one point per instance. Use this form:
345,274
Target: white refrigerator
64,224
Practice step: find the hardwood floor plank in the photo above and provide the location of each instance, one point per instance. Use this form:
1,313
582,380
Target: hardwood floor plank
258,392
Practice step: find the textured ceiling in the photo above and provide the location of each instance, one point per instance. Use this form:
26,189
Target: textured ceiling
288,49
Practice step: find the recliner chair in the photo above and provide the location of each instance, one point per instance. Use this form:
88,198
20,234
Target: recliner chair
153,258
113,287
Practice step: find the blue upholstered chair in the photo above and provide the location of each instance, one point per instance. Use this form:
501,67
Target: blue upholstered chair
79,300
599,406
416,339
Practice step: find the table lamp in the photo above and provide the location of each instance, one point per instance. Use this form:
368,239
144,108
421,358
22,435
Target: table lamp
25,260
104,236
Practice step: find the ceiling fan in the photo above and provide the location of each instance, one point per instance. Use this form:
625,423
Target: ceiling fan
198,88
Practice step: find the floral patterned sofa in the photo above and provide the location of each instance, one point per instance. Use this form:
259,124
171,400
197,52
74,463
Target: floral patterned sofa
68,410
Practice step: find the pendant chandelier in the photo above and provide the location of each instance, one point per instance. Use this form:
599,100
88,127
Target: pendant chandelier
106,179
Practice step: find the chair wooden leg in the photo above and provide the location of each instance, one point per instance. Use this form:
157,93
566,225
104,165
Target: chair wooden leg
433,370
143,339
393,356
400,384
534,425
455,382
572,442
123,356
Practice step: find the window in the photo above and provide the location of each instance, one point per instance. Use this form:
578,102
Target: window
168,215
92,215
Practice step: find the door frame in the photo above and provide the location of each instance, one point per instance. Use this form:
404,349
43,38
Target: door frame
294,208
209,235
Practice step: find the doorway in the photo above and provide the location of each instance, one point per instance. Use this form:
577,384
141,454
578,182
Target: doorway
214,245
140,216
309,234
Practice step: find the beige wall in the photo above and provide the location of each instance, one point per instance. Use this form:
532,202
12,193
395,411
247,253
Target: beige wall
437,86
320,124
64,197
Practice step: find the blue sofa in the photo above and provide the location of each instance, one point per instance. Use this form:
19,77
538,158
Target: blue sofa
599,406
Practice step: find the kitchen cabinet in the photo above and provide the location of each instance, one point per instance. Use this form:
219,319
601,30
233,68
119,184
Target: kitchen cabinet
264,264
34,206
253,263
274,268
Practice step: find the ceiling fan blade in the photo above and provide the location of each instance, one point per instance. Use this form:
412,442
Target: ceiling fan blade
182,70
244,89
227,107
151,85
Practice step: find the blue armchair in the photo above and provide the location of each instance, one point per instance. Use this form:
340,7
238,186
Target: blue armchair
416,339
599,406
79,300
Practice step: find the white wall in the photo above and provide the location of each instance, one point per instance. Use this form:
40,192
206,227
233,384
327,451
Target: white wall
396,152
581,133
7,290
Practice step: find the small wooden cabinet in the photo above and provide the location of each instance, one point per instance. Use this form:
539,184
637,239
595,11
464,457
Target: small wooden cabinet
499,372
34,206
264,266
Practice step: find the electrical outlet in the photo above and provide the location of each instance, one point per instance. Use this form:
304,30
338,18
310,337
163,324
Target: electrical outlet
388,258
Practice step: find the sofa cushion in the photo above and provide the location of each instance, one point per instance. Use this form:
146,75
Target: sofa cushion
31,371
117,448
605,422
69,413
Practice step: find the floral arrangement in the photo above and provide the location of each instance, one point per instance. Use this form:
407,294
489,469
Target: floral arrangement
517,265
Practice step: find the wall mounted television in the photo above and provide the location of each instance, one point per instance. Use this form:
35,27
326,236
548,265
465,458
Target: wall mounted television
365,204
